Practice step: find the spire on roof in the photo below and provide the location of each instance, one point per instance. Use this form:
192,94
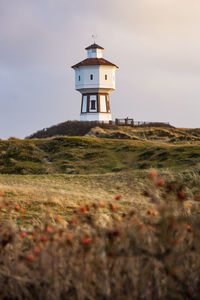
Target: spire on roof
94,36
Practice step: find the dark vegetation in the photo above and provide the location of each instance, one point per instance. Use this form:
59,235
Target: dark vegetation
80,128
104,253
81,155
69,128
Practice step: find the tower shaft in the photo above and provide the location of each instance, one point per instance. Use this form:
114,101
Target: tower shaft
95,107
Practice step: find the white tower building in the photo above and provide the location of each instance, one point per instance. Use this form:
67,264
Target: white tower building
95,79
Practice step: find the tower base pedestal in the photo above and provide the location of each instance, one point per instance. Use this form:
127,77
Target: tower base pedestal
101,117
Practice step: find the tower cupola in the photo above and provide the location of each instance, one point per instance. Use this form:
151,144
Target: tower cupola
94,51
95,80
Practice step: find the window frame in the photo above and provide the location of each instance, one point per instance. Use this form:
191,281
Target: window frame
93,104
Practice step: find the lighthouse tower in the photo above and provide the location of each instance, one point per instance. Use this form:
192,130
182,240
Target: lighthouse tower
95,79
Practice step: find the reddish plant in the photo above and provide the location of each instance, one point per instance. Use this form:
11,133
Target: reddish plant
181,195
17,207
22,234
113,207
49,228
83,209
160,183
85,241
37,250
72,222
30,257
94,205
153,175
43,239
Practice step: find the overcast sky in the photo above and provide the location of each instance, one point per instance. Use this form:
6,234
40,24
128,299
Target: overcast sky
155,43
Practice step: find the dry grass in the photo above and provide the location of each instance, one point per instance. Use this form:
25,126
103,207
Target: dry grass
156,134
67,192
126,236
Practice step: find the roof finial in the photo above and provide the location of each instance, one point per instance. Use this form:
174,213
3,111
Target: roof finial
94,36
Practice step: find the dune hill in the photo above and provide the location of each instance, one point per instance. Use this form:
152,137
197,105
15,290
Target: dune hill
87,155
158,134
154,132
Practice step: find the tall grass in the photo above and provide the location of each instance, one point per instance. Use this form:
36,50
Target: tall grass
104,253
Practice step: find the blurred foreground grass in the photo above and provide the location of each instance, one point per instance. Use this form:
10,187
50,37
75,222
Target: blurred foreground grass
64,193
130,235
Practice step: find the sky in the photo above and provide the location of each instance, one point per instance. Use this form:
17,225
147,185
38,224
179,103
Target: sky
155,43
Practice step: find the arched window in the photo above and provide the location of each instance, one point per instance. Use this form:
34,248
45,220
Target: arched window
106,77
91,76
79,78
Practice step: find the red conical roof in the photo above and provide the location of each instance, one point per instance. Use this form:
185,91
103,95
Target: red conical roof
94,62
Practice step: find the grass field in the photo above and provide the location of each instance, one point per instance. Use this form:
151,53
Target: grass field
86,218
65,193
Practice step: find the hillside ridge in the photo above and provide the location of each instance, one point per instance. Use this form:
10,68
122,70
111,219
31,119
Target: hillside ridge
153,132
86,155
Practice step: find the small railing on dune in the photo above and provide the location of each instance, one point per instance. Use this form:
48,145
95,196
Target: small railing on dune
131,122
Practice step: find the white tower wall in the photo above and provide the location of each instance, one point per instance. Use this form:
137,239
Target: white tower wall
85,81
108,83
99,75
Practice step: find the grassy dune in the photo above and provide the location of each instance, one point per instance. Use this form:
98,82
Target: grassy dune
82,155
